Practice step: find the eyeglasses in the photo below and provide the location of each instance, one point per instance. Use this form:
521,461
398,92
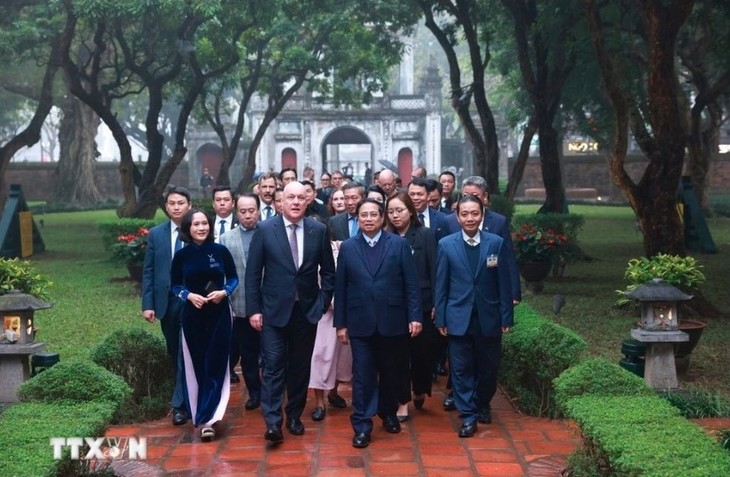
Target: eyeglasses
396,211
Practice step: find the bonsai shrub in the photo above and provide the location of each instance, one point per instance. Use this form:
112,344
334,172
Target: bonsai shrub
684,273
140,358
533,354
20,275
598,376
76,381
568,225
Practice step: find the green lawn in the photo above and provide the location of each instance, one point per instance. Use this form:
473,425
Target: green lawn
93,296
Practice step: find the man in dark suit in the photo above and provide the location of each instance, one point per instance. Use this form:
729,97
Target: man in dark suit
473,310
449,196
344,226
431,218
435,194
314,207
267,190
246,342
225,218
157,301
378,307
492,222
285,301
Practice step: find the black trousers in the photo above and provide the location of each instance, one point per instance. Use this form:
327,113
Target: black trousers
246,346
422,356
287,357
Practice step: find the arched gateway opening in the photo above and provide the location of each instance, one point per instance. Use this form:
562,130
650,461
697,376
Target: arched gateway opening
349,150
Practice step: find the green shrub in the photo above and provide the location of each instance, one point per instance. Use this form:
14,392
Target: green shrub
684,273
140,358
533,354
696,403
568,224
644,435
20,275
111,230
598,376
26,430
75,382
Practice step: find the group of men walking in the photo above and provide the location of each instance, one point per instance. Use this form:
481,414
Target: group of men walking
285,260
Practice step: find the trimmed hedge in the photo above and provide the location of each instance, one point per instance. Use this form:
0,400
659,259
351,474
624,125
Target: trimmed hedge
26,430
598,376
533,354
140,358
644,435
76,381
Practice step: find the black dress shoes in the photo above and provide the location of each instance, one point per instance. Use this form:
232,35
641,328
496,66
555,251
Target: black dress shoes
274,435
449,404
361,440
485,416
391,424
179,417
318,413
295,426
235,378
468,430
252,404
337,401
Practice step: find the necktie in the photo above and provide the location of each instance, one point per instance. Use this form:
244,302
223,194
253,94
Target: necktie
268,211
421,218
223,228
471,242
293,245
178,242
372,242
353,226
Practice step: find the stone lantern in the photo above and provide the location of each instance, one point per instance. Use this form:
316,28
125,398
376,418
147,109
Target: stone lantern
658,301
659,329
17,340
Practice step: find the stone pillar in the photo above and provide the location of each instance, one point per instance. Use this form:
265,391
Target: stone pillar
660,371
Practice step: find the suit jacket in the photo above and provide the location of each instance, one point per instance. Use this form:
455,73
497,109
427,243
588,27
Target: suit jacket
156,269
459,291
274,292
339,226
233,241
383,300
423,248
438,224
497,224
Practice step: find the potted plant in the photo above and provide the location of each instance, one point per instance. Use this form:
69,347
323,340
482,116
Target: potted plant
537,249
131,248
684,273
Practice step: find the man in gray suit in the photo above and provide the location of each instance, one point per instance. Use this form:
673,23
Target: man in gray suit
157,301
246,341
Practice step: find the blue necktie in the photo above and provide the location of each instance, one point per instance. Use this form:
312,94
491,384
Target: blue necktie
223,228
178,242
353,226
420,218
268,211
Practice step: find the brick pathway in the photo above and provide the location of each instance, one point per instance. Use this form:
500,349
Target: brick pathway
513,445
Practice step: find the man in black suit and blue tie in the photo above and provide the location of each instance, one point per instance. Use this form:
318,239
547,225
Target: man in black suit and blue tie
431,218
345,225
289,284
473,309
378,308
157,301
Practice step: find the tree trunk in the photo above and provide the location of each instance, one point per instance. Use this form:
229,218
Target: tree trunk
703,141
77,131
552,176
518,169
